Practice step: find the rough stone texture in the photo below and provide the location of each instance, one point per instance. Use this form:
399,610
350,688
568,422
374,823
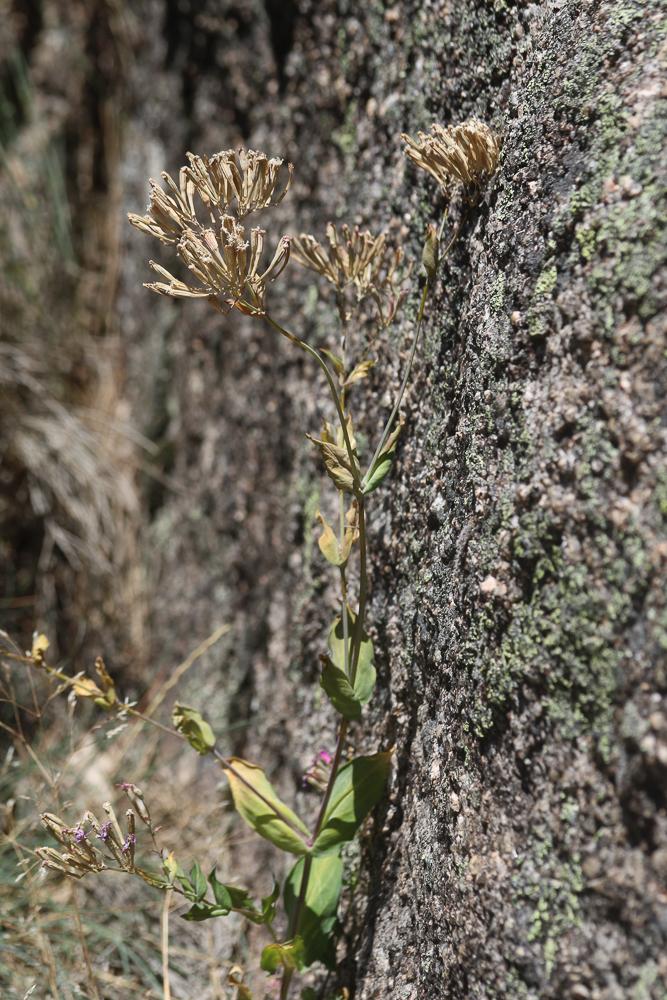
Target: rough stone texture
518,602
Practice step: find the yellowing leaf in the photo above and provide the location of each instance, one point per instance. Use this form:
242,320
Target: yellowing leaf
340,437
359,372
337,463
107,683
256,801
290,955
40,644
351,530
328,543
84,687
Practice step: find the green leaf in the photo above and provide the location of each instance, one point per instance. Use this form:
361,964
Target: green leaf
221,893
318,923
228,899
289,955
258,804
204,911
198,881
269,904
341,694
196,730
346,699
358,787
241,899
383,463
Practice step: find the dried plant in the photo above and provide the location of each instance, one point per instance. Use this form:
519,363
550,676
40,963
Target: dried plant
467,153
357,258
218,253
250,179
226,266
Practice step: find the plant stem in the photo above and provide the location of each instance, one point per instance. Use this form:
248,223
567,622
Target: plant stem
352,648
296,917
343,590
358,630
166,988
390,422
420,317
357,633
332,386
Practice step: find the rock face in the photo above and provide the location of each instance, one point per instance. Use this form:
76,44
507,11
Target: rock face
517,560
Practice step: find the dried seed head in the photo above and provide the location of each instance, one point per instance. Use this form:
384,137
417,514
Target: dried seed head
57,828
357,258
467,153
56,862
167,214
224,260
80,857
249,179
222,257
136,797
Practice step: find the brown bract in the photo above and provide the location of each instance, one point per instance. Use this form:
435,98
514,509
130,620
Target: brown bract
222,257
467,153
357,258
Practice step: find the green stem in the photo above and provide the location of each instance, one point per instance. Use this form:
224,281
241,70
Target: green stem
358,630
343,586
342,732
352,649
332,386
390,422
422,305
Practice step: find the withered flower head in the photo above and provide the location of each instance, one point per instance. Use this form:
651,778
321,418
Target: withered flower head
250,179
467,153
357,258
224,260
81,856
225,265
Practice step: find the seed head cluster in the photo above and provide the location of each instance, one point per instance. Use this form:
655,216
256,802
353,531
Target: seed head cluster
201,216
360,259
467,153
91,846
